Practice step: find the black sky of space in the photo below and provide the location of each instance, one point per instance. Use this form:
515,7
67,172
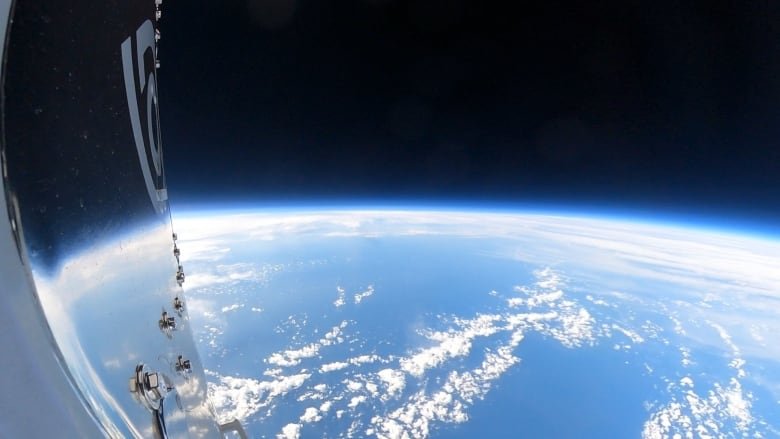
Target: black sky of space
633,102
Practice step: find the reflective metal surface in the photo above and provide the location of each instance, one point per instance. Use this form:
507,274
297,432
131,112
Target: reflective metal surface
104,307
38,400
89,237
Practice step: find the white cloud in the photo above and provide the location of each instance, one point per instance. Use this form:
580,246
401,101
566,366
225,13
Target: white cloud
239,398
737,362
537,299
232,307
685,353
631,334
364,359
293,357
207,274
207,249
413,419
451,344
353,386
576,328
515,302
330,367
312,414
363,294
273,372
720,409
355,361
448,404
394,380
725,407
316,393
290,431
356,400
341,299
595,301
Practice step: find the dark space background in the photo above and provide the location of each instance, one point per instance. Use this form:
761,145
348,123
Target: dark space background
661,105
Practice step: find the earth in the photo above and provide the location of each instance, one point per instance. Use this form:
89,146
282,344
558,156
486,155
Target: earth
463,324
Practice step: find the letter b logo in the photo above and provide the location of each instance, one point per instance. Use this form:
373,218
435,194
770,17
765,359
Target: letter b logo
147,86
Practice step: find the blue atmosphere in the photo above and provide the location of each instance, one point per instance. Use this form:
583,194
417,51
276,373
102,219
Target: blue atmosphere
415,323
723,220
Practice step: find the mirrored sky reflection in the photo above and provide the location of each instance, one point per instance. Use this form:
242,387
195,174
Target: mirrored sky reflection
119,288
695,310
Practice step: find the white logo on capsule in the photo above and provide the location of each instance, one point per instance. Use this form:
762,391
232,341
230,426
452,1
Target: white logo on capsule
144,40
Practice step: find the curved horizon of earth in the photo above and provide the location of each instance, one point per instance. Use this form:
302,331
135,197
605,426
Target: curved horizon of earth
416,324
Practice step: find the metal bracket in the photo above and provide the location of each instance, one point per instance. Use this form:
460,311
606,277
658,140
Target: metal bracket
183,365
149,387
167,323
180,275
178,305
